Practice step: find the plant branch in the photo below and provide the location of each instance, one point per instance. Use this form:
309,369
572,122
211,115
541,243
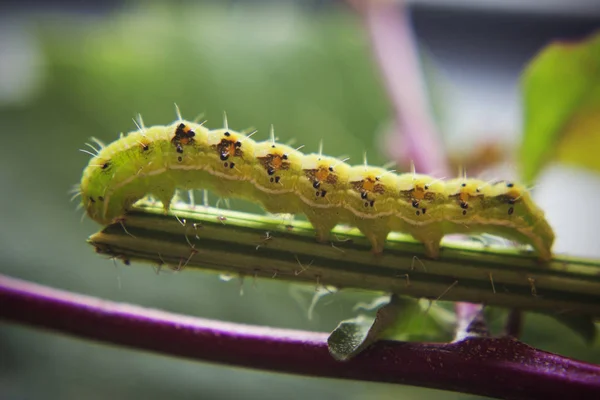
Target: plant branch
491,367
257,246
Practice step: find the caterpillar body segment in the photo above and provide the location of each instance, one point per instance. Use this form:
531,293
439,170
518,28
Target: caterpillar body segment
159,160
276,173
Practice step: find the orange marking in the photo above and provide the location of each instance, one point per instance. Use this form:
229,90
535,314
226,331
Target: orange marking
322,174
276,161
514,194
369,184
231,149
464,196
419,192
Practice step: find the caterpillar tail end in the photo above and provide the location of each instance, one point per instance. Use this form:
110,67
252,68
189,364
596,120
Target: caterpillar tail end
544,231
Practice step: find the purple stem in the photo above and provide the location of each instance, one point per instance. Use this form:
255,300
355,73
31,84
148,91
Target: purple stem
395,50
491,367
470,320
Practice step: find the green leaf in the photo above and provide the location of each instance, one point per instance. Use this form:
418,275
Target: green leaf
354,335
561,94
399,318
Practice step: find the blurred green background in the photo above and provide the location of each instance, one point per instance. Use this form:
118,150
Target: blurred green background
67,76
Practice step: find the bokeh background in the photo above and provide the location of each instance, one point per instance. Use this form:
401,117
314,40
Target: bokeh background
72,70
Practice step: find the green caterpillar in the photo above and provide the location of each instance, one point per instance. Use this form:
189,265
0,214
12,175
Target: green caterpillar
185,155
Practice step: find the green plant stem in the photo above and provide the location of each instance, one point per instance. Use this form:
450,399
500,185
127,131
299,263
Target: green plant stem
258,246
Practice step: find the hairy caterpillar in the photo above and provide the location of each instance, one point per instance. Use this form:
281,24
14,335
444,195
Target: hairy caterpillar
185,155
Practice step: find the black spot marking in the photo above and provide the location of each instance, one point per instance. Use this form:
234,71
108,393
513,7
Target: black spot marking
100,198
277,179
372,203
92,199
179,148
126,261
363,195
231,165
285,156
510,184
225,165
227,134
330,169
366,204
463,185
238,144
323,193
145,147
511,201
270,170
511,210
317,193
316,184
464,212
415,203
271,180
426,187
418,212
464,205
227,148
183,135
106,165
424,210
179,159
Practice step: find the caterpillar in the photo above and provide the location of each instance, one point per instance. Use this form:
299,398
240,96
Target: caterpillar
185,155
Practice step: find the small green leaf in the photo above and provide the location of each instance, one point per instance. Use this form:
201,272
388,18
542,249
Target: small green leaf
399,318
350,337
561,94
354,335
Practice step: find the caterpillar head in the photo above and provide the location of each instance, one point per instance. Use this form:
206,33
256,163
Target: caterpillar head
96,178
116,177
